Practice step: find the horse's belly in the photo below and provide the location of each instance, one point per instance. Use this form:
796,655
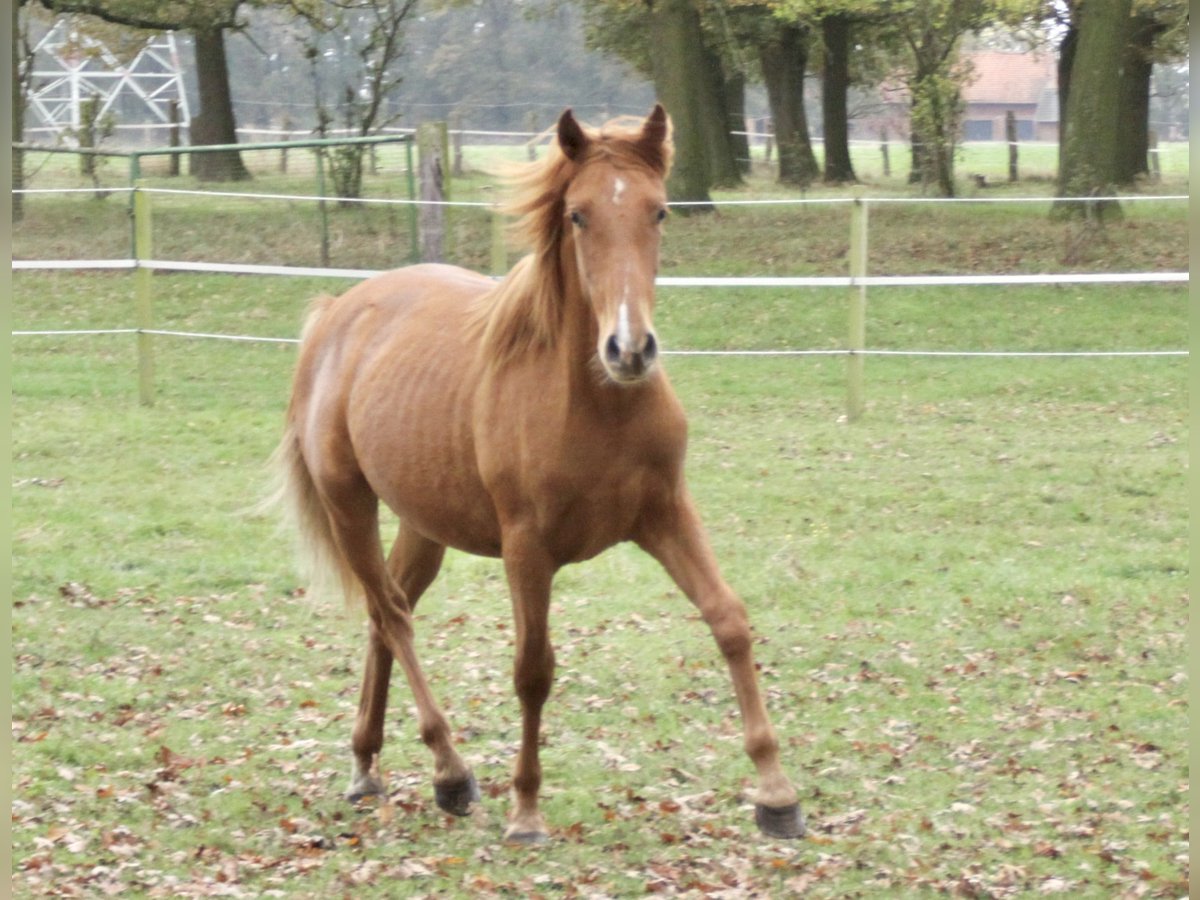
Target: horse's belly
419,459
450,510
409,412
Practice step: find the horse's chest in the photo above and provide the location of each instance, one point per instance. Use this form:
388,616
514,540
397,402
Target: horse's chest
581,475
593,500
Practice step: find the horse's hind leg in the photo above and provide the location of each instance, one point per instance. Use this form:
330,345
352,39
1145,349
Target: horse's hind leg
354,516
367,740
413,563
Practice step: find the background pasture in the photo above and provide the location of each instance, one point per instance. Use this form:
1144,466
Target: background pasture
970,606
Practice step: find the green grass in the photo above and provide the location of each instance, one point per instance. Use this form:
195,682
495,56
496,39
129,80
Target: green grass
970,606
971,610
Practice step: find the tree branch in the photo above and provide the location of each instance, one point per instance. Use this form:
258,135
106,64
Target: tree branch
221,19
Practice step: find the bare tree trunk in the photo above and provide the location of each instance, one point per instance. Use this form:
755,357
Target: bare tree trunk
215,122
1066,59
1133,111
835,33
723,169
1088,157
735,105
783,59
679,80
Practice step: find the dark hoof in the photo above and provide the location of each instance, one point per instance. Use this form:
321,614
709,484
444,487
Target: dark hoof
780,821
456,797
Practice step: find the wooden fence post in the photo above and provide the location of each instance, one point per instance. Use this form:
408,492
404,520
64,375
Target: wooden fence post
857,332
144,293
431,143
457,139
89,116
286,125
883,149
1010,134
322,209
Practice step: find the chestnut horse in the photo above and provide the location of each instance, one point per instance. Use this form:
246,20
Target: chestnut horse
526,419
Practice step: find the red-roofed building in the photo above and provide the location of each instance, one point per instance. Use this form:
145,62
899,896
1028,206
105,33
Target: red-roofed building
1024,83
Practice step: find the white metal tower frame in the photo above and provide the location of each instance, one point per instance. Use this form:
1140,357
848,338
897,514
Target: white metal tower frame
69,68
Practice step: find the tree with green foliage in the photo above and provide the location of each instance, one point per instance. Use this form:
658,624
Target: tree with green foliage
836,22
732,33
207,21
932,30
758,30
668,42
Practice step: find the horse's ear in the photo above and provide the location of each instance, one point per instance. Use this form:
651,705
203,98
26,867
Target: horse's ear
571,138
655,133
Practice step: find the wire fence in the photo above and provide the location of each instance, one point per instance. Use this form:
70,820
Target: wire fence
143,262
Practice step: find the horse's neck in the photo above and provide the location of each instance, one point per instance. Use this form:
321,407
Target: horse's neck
578,335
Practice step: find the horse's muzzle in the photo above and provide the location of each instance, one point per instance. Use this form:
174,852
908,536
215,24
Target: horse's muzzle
630,363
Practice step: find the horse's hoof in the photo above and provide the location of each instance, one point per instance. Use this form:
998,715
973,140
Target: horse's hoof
780,821
456,797
363,787
525,838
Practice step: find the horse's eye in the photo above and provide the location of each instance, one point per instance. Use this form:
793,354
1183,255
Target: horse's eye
662,214
577,218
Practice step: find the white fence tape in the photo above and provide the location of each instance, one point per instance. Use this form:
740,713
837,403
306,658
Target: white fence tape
81,264
667,281
952,354
783,201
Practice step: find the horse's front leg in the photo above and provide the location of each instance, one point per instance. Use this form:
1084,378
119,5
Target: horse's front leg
530,574
675,537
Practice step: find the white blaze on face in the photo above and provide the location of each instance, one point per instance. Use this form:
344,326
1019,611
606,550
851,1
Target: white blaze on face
618,190
624,338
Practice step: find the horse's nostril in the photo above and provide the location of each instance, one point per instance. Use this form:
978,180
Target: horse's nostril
612,350
651,349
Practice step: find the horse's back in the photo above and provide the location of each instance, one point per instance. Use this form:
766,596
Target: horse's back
429,296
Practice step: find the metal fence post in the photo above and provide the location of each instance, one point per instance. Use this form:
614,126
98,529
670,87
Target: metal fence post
143,291
135,176
857,335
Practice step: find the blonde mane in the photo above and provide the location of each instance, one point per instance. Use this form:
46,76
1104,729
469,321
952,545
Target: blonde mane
525,308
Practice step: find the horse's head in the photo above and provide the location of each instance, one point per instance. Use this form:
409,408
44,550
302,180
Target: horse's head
614,208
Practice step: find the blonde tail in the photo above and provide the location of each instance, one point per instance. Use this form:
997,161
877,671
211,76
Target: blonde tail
296,493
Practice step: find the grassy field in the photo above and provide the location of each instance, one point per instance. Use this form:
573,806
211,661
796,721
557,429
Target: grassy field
970,606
